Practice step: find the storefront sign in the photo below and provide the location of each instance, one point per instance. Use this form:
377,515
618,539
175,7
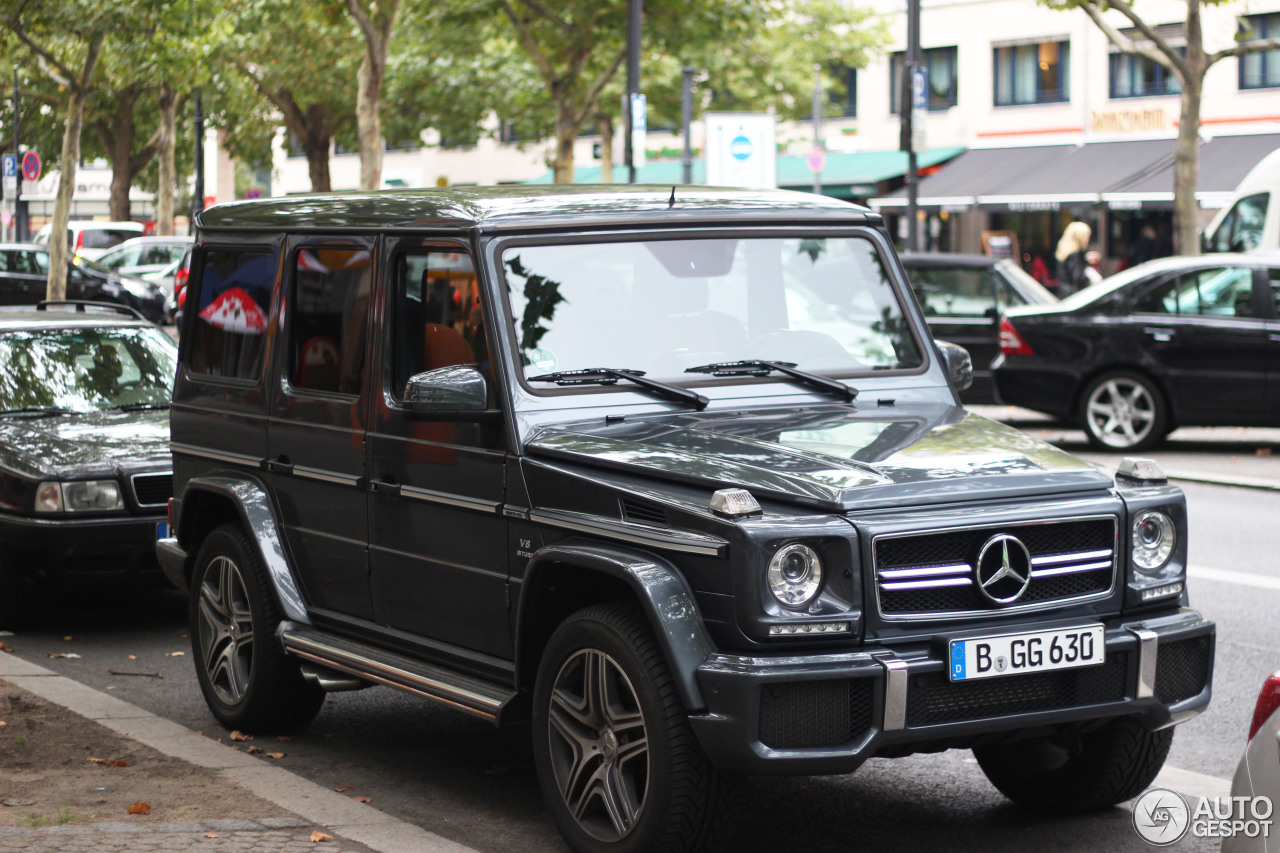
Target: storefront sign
1124,121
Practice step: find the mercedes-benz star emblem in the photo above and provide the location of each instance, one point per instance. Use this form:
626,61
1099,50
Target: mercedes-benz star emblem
1004,569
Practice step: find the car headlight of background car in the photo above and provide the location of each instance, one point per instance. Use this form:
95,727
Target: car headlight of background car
79,496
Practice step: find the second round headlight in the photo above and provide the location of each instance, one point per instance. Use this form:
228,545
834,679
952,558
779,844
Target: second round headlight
1154,536
795,575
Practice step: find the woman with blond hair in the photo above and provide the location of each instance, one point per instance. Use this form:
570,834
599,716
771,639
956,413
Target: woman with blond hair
1072,263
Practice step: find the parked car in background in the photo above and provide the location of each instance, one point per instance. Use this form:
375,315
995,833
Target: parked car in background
84,451
24,280
173,281
142,256
1184,341
1258,773
1252,220
963,297
87,238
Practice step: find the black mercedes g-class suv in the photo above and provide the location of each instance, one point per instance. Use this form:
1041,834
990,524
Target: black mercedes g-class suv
675,473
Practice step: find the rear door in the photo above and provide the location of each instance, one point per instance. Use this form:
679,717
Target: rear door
1206,330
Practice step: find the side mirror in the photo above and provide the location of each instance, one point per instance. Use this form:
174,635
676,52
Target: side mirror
458,388
959,365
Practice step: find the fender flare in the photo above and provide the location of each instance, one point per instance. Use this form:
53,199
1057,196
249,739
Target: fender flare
253,505
663,595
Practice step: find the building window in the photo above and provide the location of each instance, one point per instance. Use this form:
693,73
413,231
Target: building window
1032,73
940,65
1137,77
1260,70
844,98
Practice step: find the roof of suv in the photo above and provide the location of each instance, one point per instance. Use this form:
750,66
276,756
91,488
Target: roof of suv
16,317
525,206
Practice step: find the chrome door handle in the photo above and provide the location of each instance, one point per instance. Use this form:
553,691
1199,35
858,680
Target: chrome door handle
1161,335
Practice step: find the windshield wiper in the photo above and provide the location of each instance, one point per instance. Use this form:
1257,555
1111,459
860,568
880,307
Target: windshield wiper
610,376
138,407
757,367
40,410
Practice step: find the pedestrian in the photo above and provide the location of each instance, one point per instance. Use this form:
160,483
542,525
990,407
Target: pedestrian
1070,254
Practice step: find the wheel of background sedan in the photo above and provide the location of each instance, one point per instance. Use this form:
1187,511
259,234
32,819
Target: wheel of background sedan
1123,410
18,598
618,764
1078,771
248,680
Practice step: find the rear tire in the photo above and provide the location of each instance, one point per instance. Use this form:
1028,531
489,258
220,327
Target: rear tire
1123,410
619,767
1078,771
247,679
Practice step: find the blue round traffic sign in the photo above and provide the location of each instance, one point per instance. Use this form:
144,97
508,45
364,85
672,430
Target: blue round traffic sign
31,166
740,148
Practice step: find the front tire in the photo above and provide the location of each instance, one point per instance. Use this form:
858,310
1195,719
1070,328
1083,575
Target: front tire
618,764
1124,410
1078,771
247,679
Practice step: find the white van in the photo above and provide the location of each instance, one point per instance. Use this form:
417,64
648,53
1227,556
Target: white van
1252,220
88,238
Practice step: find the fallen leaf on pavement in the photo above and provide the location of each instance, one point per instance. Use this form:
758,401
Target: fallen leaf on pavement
254,750
68,638
239,735
119,762
3,724
317,835
139,808
19,802
343,788
4,648
284,738
97,761
133,657
211,835
63,655
364,799
176,654
1264,451
275,755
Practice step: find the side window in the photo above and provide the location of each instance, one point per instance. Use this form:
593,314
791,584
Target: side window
1241,229
38,261
328,309
438,316
232,291
1217,292
955,292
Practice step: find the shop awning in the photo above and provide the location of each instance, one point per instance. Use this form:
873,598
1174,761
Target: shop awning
845,175
1123,174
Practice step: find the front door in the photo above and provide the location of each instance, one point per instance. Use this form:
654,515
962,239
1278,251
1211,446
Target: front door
316,452
436,533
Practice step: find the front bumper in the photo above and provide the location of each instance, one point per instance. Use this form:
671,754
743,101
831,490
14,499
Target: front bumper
812,714
86,553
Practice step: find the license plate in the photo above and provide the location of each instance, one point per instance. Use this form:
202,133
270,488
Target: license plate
162,530
1038,651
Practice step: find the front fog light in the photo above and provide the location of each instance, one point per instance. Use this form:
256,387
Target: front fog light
92,496
795,575
1153,540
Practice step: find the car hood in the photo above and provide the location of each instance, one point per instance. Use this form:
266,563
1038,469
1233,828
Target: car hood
70,445
836,458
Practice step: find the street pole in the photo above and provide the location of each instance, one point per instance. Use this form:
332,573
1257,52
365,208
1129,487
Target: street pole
817,123
198,201
19,212
908,111
635,17
686,121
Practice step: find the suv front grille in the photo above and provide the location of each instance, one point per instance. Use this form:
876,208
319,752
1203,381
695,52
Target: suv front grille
152,489
932,575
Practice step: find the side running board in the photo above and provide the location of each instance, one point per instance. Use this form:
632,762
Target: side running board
466,693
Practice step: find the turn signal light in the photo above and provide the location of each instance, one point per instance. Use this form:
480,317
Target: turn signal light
1268,702
1011,343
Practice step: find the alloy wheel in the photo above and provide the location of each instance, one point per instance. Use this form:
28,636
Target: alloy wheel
225,628
1121,412
599,746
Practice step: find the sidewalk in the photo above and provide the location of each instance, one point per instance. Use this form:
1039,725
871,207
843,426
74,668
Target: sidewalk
73,761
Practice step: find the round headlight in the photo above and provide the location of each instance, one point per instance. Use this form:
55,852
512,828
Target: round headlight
795,575
1153,539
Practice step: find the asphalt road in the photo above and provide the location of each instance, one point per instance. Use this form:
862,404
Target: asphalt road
475,784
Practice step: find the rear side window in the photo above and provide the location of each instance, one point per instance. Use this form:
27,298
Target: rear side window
1220,291
1241,229
328,302
105,238
232,296
954,291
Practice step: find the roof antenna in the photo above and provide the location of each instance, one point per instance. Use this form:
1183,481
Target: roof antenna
671,202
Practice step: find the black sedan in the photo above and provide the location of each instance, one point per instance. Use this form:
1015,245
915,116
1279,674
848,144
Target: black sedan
963,297
85,469
24,276
1187,341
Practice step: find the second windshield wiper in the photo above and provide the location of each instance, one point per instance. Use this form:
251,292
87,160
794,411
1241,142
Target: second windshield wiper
757,367
138,407
39,410
610,375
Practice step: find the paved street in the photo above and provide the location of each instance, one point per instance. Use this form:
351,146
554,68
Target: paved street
475,785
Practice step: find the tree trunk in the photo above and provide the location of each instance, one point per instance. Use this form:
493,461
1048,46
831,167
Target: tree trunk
369,122
566,135
317,152
168,136
1186,156
117,138
604,121
57,285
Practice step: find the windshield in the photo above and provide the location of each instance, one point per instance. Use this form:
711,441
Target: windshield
86,369
825,304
